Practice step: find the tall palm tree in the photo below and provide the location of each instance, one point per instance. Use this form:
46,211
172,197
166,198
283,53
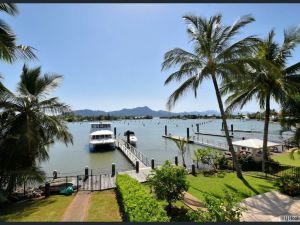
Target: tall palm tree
214,56
29,124
270,79
9,49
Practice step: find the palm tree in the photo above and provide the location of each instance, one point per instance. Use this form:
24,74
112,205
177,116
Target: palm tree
270,79
215,56
181,145
29,124
9,49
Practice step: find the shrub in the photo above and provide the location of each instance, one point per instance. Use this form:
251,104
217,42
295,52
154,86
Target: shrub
289,185
137,203
248,163
169,182
219,210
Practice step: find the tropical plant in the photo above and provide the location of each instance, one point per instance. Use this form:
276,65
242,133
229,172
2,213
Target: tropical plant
269,79
181,144
209,156
289,185
9,49
169,182
290,117
214,56
29,124
225,209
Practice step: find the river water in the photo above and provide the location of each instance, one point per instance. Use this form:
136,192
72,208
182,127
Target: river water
72,159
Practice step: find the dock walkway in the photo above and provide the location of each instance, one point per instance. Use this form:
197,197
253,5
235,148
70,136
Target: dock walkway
200,141
132,154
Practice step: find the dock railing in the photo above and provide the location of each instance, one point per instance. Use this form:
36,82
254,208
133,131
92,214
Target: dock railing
131,150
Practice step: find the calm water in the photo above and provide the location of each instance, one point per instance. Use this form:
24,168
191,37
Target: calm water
73,158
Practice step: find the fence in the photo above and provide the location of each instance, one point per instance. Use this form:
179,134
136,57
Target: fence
275,170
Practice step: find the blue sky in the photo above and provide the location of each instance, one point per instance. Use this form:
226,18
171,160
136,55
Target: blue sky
111,54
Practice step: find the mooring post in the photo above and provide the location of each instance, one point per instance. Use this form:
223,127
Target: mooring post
77,183
115,132
24,188
231,128
54,174
91,180
187,133
113,169
47,189
197,127
243,138
176,160
193,170
86,173
152,164
137,165
166,130
128,138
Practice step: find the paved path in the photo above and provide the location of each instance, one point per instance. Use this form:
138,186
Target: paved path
78,208
270,206
192,201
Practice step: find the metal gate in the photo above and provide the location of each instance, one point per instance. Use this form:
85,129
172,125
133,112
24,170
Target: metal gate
96,182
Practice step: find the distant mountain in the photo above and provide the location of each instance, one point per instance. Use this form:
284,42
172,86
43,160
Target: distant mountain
140,111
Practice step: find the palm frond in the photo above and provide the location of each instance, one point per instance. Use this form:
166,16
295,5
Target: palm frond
9,8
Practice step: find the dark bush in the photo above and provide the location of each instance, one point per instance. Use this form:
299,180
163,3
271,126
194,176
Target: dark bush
137,203
289,185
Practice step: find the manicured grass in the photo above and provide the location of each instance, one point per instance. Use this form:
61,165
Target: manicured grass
104,207
285,159
47,209
213,185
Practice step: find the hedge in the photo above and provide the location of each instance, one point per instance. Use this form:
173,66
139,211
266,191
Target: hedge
137,204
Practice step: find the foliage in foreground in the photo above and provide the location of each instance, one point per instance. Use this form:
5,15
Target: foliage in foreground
138,204
169,182
289,185
219,209
29,123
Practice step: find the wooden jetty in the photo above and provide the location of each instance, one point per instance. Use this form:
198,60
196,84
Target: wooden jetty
132,154
244,131
216,135
174,137
200,141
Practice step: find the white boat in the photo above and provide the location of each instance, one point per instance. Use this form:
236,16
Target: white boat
132,137
101,136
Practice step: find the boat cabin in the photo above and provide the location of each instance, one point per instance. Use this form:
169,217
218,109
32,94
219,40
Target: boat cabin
100,126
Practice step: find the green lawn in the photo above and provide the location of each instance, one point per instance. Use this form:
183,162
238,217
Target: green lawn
47,209
285,159
253,185
104,207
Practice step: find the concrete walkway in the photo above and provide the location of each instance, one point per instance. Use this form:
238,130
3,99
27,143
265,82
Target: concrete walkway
192,201
78,208
269,207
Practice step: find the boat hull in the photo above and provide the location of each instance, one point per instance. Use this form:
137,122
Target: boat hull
102,147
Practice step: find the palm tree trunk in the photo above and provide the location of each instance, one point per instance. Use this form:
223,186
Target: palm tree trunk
183,161
223,116
266,132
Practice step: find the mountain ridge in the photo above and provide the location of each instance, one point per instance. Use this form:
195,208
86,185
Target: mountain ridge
141,111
